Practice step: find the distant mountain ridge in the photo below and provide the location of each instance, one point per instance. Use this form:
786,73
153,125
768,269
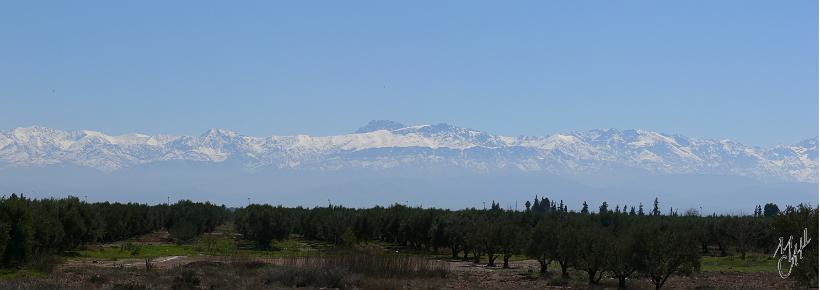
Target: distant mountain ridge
386,144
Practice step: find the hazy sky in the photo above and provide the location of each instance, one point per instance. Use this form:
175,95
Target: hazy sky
745,70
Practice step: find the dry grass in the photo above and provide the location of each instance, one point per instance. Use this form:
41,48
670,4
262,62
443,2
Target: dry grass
372,264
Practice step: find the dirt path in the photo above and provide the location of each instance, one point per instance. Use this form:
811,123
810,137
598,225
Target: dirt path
155,262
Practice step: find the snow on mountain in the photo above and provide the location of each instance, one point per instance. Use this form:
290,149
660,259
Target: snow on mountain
376,125
386,144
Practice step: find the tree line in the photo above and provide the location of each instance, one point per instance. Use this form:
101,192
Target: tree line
35,227
622,242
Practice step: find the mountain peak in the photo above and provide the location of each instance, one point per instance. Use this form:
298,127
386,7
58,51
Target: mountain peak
215,132
376,125
808,143
35,129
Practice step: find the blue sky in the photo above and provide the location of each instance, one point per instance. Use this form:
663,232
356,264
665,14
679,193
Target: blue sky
745,70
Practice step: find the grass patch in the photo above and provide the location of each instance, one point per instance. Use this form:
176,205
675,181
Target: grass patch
11,274
215,245
752,263
292,247
284,249
212,245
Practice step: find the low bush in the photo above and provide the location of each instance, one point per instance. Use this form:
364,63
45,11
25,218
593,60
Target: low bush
333,277
97,279
186,280
374,265
45,263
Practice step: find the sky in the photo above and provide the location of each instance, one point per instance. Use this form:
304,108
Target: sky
743,70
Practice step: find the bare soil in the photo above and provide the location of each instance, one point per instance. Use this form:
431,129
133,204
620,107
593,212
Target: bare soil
463,275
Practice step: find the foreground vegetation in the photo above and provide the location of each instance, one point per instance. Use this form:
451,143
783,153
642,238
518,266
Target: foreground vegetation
621,243
32,228
341,270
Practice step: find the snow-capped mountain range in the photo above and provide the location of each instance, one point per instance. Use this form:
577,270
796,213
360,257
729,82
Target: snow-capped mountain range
387,144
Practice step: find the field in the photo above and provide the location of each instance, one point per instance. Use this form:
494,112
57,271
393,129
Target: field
223,260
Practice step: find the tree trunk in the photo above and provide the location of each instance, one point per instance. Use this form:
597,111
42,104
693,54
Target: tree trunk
598,279
507,256
657,281
491,259
722,249
544,263
621,282
564,268
661,280
455,251
591,274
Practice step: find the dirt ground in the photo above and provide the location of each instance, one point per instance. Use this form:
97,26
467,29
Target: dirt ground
521,276
463,275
